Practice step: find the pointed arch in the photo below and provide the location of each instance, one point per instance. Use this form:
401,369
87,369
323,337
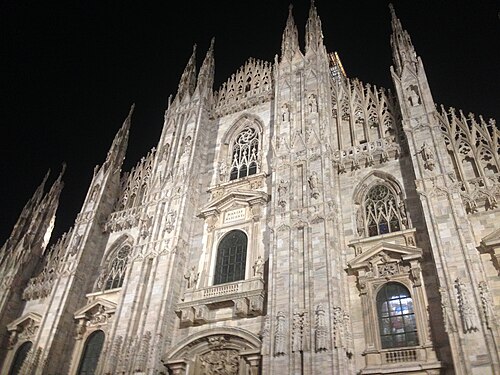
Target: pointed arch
114,264
20,357
240,154
91,353
380,205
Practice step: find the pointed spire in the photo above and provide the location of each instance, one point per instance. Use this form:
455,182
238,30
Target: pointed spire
188,79
207,70
118,148
25,217
290,40
403,51
314,33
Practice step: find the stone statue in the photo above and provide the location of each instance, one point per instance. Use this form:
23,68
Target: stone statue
427,156
222,171
192,277
313,185
258,267
282,190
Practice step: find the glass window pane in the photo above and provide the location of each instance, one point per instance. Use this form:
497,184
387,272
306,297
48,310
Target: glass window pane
399,329
231,258
91,353
21,355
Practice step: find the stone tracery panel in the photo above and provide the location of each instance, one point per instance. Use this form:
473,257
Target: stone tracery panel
250,85
474,149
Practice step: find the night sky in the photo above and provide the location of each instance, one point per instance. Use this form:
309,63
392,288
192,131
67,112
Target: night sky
70,71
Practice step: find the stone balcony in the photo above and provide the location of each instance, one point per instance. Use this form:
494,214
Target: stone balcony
239,299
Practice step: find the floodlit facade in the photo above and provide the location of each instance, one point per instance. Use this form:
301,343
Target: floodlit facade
294,221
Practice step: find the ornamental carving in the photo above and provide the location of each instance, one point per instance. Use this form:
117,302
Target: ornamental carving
281,334
249,86
467,311
299,334
320,329
220,362
487,305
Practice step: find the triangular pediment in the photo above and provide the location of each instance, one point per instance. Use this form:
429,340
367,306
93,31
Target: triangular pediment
387,251
492,239
96,305
24,320
234,198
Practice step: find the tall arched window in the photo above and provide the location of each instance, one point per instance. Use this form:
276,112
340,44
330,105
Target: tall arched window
396,317
382,212
244,159
20,357
91,353
231,258
117,267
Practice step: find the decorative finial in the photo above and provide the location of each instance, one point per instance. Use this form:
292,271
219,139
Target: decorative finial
391,8
132,108
290,8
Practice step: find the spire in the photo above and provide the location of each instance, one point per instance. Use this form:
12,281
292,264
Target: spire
116,153
403,51
314,33
188,79
50,205
25,217
207,70
290,41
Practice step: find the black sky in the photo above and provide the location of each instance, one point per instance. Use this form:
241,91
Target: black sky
70,71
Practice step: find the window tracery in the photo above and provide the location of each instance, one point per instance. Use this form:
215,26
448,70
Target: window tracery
383,213
113,273
244,154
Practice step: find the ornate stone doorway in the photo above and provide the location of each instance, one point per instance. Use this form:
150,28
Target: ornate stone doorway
219,351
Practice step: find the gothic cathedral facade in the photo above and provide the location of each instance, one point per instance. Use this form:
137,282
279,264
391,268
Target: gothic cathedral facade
295,221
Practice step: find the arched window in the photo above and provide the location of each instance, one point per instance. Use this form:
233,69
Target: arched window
231,258
20,357
244,159
396,317
116,268
91,353
382,212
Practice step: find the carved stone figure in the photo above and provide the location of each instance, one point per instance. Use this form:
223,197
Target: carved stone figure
413,97
192,277
314,185
427,156
282,193
285,113
222,171
360,222
467,311
312,103
258,267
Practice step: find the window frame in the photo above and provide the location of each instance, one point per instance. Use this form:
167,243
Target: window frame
382,288
243,263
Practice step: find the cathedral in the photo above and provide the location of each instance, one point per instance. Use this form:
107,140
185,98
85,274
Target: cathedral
292,221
